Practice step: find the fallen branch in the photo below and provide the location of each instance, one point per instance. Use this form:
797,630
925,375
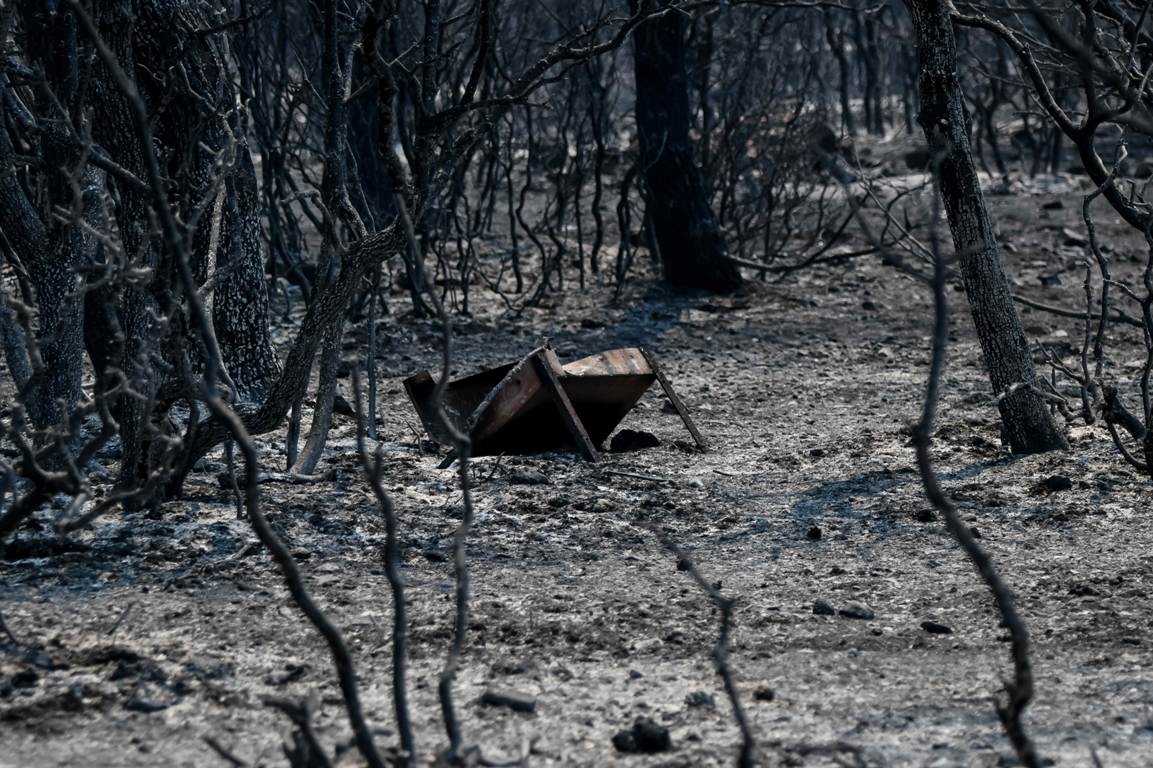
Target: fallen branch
1117,315
224,753
637,476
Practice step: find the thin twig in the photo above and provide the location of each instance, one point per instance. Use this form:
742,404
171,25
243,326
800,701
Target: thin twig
1020,689
374,471
722,646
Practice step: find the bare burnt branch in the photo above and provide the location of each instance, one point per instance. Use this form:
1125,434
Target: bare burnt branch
1019,690
199,202
373,465
746,758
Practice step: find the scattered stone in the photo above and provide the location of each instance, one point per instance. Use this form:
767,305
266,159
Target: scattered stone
1073,237
645,737
603,506
528,476
1056,483
150,698
633,440
823,608
701,699
25,679
290,674
514,700
933,628
925,516
857,611
764,693
513,667
1053,205
814,533
624,741
818,453
868,305
589,324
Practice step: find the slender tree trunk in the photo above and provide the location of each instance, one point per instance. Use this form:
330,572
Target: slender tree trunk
687,234
1027,423
836,40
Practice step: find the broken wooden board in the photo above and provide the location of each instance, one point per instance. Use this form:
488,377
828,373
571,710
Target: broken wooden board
538,404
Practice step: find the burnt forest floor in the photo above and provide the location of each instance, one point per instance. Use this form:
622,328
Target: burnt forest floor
154,630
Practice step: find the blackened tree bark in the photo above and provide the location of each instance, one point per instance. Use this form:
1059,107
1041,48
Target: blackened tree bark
1028,425
189,82
240,301
185,81
835,37
52,250
377,202
692,248
135,318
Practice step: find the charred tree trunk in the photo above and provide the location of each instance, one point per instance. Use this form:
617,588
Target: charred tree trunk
137,312
240,298
185,82
1027,423
687,234
52,250
835,37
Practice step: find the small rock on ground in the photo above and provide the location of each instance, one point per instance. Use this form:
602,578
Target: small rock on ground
857,611
823,608
514,700
645,737
633,440
933,628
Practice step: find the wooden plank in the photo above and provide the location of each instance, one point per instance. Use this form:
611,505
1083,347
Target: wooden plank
547,366
683,412
516,393
628,361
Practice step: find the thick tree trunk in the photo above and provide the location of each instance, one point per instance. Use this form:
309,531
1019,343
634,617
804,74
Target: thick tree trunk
378,205
185,81
688,237
51,250
1028,425
240,299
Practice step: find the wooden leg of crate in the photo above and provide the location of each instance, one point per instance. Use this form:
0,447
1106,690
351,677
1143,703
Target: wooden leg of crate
683,412
552,385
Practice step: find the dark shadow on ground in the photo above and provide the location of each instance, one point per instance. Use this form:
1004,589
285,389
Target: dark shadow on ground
835,498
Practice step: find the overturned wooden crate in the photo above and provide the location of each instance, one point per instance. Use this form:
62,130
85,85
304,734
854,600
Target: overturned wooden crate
537,404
